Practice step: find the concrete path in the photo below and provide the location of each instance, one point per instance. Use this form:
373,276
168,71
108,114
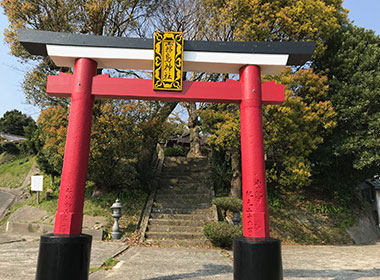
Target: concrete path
332,262
6,200
150,263
18,255
18,258
300,263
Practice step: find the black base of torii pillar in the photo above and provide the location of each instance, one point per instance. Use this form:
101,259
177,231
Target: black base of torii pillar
257,259
65,257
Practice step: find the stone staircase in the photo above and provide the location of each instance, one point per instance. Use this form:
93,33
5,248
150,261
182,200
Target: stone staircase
182,205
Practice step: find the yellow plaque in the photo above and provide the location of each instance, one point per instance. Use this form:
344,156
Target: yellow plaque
168,61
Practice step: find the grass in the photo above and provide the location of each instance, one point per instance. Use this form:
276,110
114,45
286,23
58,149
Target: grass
13,171
132,200
297,220
6,158
107,265
12,174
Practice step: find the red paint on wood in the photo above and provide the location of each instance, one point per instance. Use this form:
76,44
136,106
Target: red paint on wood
255,206
272,93
71,196
84,86
122,88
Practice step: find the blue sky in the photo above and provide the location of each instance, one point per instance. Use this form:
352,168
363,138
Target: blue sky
364,13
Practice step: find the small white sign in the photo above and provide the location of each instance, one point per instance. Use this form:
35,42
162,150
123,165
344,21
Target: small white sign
37,182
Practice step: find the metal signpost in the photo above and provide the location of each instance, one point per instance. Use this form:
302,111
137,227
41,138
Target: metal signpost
65,254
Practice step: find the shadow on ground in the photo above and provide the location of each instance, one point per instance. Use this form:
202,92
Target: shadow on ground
342,274
208,270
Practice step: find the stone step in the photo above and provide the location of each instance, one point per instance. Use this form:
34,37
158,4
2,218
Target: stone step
180,243
190,180
185,167
184,190
205,211
183,170
177,222
184,185
174,235
195,179
193,217
177,204
181,194
184,196
167,228
185,161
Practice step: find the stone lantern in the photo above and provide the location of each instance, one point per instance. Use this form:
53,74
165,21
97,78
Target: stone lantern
116,214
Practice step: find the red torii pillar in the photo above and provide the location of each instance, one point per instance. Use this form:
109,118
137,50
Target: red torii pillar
249,92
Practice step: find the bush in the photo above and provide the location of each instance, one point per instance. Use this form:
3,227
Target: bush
9,147
175,151
222,234
232,204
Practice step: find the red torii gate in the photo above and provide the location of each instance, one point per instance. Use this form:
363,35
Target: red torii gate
249,92
84,86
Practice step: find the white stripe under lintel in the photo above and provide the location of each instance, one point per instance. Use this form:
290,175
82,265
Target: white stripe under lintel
142,59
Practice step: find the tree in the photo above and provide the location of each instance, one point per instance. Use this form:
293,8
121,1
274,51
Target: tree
263,20
187,17
295,129
279,20
352,64
120,133
15,122
50,139
108,18
292,131
222,123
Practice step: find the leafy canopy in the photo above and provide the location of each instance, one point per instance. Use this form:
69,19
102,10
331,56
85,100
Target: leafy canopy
352,64
276,20
291,131
15,122
121,132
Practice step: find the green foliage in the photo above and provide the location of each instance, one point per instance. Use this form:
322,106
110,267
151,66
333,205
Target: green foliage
108,264
232,204
121,134
50,138
14,122
352,64
6,158
222,123
13,174
116,141
311,217
108,18
9,147
177,151
292,131
281,20
220,175
295,129
222,234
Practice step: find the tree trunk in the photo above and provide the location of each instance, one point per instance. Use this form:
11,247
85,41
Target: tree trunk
236,173
151,143
193,124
